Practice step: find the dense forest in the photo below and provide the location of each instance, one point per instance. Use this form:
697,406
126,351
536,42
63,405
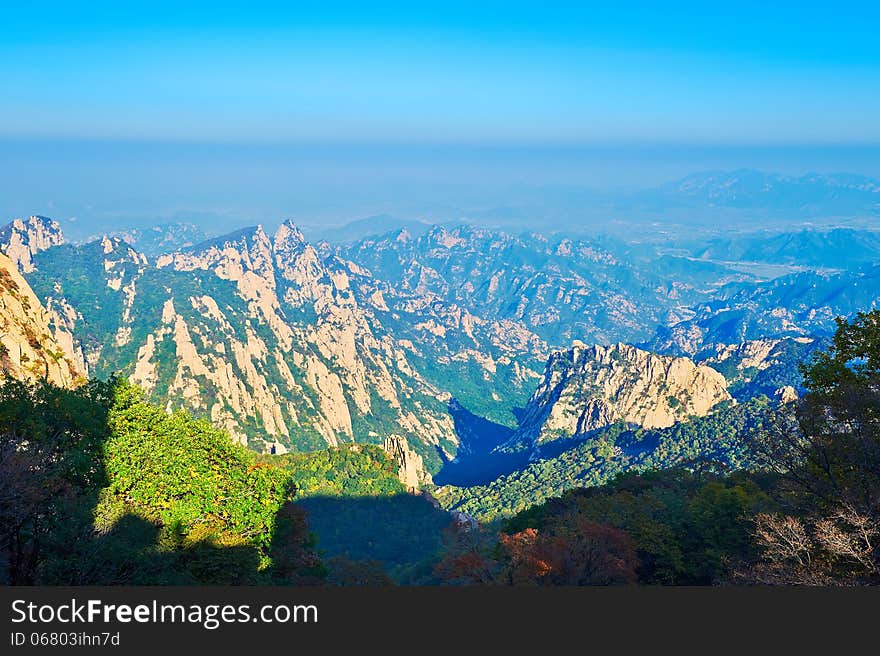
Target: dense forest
98,486
713,443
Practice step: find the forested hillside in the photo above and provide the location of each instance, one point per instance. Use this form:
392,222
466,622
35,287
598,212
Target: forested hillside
101,487
715,443
808,513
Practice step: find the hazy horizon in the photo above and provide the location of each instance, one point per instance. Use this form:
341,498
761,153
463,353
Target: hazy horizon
98,186
115,116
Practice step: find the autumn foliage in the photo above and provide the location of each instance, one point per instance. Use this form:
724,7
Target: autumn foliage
579,552
573,551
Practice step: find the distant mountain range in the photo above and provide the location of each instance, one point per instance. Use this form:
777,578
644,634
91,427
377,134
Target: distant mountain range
371,226
837,248
470,348
808,195
163,238
706,202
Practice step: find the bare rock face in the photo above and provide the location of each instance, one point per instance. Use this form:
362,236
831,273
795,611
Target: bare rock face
24,238
786,394
28,349
310,356
322,352
412,471
754,354
587,388
761,366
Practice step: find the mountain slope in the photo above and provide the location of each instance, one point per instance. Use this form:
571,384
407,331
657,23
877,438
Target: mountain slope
560,289
28,349
768,367
216,329
163,238
797,305
292,345
587,388
715,442
834,248
370,226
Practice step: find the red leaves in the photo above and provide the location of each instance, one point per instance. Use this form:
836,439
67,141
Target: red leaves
571,551
577,553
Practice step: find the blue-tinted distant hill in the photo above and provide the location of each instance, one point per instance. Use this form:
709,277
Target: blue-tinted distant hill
163,238
700,204
838,248
369,227
811,195
798,305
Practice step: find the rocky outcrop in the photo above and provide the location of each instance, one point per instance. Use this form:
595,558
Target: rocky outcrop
786,394
761,366
28,349
411,470
755,354
589,387
24,238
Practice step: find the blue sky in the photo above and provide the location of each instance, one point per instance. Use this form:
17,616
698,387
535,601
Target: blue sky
122,113
733,73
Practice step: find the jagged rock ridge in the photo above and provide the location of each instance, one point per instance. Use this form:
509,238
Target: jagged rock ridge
586,388
28,349
411,468
21,239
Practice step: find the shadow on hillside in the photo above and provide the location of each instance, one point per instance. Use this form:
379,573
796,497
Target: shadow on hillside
477,463
52,498
400,534
337,541
51,472
136,551
52,475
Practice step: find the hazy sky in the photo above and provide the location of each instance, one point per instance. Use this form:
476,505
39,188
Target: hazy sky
343,109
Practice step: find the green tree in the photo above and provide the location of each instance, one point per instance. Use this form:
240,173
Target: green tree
829,463
51,470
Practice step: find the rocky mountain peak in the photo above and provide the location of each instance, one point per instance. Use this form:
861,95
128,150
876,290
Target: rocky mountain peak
259,235
289,244
120,249
21,239
230,255
446,237
289,235
585,388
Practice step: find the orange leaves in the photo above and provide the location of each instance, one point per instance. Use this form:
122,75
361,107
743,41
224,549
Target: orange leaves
576,552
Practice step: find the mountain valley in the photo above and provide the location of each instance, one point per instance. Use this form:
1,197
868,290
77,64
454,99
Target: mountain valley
478,357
